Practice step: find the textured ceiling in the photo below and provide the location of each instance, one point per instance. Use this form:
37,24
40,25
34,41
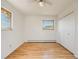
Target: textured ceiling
31,7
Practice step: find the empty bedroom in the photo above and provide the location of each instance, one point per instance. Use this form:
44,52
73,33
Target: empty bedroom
39,29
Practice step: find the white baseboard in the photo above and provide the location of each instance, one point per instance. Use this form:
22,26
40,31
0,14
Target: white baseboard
76,56
41,40
13,50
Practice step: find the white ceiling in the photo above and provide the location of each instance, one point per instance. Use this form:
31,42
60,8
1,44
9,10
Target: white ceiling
30,7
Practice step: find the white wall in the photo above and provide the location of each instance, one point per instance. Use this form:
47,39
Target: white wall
67,27
76,27
34,31
12,39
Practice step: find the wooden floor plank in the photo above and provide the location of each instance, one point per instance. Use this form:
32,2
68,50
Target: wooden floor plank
41,51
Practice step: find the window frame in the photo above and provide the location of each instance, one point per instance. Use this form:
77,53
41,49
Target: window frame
9,13
52,28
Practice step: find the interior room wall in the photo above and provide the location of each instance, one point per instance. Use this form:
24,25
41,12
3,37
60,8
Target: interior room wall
10,40
76,28
34,31
67,30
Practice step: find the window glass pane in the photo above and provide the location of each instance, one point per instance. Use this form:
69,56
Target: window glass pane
48,24
5,19
5,23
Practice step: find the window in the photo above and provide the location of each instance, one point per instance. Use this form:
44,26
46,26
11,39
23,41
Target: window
48,24
5,19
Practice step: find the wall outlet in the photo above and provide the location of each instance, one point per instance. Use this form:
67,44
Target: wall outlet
68,34
10,45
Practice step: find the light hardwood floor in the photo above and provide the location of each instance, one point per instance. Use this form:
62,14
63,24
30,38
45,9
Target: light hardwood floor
40,51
